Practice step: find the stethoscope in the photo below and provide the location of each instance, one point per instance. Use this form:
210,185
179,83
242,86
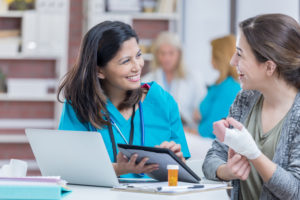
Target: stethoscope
112,123
131,131
142,126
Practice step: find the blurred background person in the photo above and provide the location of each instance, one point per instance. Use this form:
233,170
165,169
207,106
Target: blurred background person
168,71
220,95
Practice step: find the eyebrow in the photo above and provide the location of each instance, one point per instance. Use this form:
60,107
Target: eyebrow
120,60
238,48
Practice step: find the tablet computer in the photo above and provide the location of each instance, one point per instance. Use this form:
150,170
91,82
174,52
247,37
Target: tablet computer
163,157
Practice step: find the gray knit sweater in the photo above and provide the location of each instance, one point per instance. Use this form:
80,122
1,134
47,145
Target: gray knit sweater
285,182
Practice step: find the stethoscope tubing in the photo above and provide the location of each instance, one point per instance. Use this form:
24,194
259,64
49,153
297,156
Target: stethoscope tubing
142,126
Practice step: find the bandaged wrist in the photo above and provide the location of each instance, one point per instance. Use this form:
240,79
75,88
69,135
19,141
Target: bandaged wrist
241,141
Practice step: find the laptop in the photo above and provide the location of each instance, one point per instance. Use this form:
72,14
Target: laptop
79,157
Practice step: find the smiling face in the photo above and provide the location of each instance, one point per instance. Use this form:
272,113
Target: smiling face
123,72
252,74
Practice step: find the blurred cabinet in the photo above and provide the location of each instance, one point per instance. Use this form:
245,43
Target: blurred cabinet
147,17
33,58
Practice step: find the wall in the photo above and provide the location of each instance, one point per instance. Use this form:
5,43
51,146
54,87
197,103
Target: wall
203,22
75,30
251,8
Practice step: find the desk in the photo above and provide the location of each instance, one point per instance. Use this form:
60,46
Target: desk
93,193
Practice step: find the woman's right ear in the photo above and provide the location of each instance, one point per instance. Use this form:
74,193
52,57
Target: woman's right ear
100,74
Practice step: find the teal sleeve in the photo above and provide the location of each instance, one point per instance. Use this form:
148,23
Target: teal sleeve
177,131
69,120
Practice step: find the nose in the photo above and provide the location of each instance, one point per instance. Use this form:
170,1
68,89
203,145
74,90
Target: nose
233,60
137,65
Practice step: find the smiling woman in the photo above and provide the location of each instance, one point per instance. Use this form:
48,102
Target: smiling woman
261,154
103,93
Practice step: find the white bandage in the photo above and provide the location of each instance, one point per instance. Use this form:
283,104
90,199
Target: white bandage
241,141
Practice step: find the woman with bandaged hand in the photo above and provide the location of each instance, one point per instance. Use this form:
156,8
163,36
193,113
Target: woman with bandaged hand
258,145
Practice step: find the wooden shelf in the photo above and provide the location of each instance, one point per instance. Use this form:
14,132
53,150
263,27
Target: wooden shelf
46,98
27,123
21,56
13,138
13,14
146,16
156,16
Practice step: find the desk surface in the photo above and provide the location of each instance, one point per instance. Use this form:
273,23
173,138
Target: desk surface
93,193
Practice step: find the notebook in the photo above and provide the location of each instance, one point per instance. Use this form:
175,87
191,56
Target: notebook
78,157
50,188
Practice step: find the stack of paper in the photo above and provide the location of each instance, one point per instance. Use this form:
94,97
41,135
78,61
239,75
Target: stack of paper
163,188
50,188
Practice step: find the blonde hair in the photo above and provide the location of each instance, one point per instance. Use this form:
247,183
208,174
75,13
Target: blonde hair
173,40
222,50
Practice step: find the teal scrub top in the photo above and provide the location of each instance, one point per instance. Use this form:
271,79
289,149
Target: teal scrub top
161,123
216,105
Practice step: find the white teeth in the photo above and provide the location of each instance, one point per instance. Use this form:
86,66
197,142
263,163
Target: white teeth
239,72
134,77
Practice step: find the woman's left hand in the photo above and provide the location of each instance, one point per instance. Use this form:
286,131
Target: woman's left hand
219,128
176,148
240,140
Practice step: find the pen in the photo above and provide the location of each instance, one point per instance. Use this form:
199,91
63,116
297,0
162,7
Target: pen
172,188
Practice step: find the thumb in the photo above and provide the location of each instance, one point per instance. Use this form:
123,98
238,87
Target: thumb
121,157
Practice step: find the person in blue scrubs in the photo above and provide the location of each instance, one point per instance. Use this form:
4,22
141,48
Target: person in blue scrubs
103,93
220,95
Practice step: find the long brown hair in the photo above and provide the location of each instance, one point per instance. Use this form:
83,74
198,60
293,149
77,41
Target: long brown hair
276,37
222,50
81,87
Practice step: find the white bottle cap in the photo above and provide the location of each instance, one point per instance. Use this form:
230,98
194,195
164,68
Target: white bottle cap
172,167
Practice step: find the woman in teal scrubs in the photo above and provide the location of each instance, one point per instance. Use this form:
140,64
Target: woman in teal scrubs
103,93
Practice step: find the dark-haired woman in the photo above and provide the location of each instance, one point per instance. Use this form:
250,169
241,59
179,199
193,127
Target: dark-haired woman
103,93
263,158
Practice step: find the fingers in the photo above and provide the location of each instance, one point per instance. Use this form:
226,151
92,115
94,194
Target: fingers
219,128
167,144
176,148
244,171
121,157
143,168
239,167
180,156
150,168
143,162
231,153
133,159
235,123
238,161
226,123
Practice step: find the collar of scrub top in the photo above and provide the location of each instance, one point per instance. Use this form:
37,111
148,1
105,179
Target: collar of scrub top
131,135
112,123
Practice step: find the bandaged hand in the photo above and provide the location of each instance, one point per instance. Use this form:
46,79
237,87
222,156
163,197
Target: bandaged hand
239,139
